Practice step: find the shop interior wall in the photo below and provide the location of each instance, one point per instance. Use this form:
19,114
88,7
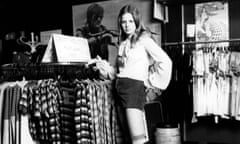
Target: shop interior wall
37,16
227,131
111,10
31,16
48,15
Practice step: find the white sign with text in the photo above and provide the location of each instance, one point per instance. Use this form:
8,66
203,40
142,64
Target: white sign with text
62,48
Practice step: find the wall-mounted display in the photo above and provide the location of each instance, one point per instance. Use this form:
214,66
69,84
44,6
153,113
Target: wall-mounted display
212,21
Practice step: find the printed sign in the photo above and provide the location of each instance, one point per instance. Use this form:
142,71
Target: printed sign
62,48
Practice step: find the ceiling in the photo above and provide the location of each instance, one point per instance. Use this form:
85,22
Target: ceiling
27,13
15,14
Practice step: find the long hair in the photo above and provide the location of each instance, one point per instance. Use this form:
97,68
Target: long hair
140,28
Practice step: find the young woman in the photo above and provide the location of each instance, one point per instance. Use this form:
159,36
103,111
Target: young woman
137,50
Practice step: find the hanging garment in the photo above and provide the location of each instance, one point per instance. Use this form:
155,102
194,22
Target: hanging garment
214,91
11,124
10,116
67,115
2,98
40,101
25,136
235,100
83,114
78,112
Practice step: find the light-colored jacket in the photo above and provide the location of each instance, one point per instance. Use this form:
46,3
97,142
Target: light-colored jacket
138,58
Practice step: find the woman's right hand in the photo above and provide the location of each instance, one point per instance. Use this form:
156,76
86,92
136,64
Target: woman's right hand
106,71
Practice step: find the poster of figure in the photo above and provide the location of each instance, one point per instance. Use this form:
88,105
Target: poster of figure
212,21
111,10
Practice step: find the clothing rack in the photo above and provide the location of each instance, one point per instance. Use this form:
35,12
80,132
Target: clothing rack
199,42
13,72
192,45
182,55
49,111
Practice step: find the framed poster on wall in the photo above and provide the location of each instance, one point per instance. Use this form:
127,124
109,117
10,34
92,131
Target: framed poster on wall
160,11
212,21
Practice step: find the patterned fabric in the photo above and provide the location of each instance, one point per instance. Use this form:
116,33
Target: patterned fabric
67,114
98,115
80,112
83,115
40,100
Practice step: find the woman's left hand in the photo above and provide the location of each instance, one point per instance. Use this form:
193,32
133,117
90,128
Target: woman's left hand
235,69
152,94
